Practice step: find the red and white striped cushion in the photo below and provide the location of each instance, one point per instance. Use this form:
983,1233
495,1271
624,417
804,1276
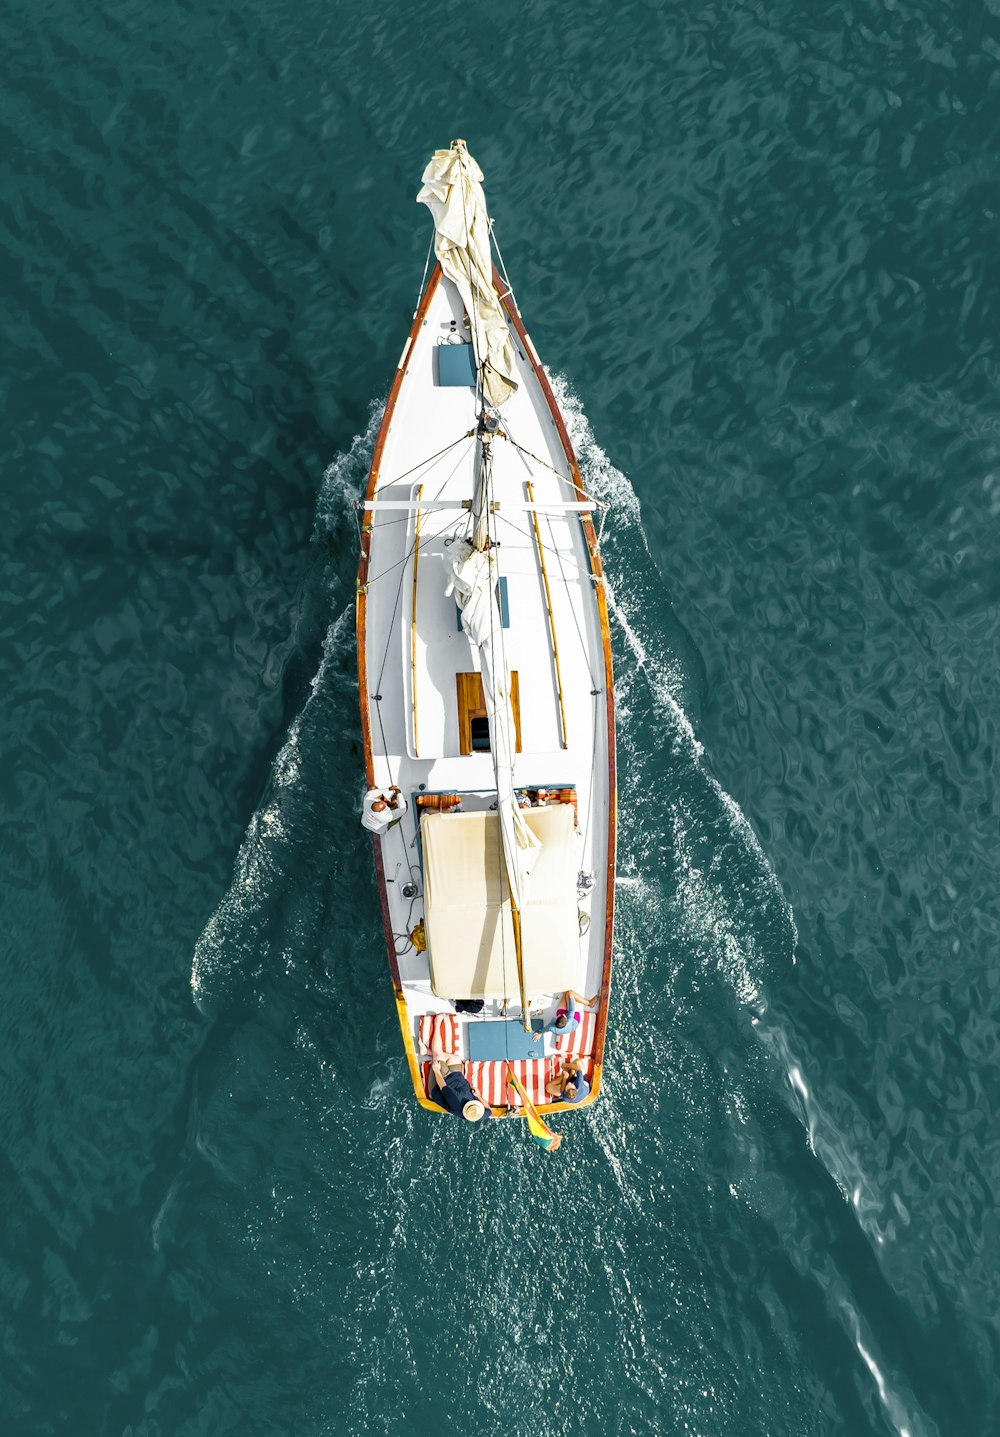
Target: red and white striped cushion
581,1040
442,1027
489,1080
586,1067
534,1073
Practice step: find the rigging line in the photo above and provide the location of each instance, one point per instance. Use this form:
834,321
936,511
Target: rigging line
399,593
378,522
425,539
501,861
470,434
427,265
388,645
385,746
560,559
566,478
387,523
405,518
503,267
392,628
401,565
590,789
549,548
494,614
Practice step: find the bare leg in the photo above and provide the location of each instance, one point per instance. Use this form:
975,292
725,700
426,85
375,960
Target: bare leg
587,1002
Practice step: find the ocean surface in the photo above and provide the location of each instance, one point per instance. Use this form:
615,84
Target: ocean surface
756,246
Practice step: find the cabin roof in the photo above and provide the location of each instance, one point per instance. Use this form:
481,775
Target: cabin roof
467,916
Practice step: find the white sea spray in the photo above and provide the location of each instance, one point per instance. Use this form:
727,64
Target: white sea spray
705,909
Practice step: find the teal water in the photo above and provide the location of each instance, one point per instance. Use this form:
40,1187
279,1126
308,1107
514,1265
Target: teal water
757,248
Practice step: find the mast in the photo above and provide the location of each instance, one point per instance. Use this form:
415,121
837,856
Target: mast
515,918
486,428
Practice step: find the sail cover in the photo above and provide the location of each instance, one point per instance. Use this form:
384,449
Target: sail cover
453,191
474,582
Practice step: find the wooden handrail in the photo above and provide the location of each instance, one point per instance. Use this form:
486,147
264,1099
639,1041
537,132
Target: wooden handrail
413,626
552,622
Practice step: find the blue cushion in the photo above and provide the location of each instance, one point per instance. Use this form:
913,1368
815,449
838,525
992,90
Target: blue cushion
491,1042
456,365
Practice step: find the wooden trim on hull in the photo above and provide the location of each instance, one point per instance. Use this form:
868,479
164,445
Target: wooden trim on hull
361,622
361,606
413,1062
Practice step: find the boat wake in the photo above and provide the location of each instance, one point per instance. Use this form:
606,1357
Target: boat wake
263,916
725,898
701,922
700,877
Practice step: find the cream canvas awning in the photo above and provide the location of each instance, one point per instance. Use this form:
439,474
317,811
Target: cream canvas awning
470,935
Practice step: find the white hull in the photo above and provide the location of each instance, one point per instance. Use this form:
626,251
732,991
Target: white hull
411,646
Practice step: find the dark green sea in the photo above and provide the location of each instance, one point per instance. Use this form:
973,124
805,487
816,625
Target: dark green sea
757,247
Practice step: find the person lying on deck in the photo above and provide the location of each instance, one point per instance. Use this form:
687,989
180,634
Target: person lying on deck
567,1017
451,1088
572,1086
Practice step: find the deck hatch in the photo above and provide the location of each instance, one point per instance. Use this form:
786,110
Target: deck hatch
456,366
472,715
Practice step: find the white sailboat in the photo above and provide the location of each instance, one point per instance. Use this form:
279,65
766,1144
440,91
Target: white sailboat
487,706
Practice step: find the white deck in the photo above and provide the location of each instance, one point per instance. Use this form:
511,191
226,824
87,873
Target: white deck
426,419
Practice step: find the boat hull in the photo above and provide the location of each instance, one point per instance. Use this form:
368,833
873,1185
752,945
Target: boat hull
411,650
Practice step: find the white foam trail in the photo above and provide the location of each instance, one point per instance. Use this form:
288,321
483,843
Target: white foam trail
609,485
604,481
255,869
343,481
659,681
344,478
894,1405
832,1148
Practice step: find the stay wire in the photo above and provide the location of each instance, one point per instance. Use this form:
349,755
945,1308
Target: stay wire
503,267
427,265
549,548
424,539
470,434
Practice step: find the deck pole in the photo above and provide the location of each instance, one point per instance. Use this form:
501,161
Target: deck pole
552,621
516,920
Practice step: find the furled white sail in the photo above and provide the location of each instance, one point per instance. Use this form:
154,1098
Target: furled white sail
452,189
473,579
